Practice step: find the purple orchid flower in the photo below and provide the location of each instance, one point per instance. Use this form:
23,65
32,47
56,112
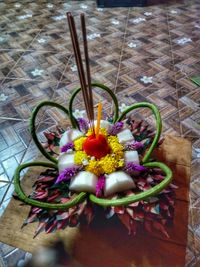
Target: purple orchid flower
135,145
100,185
131,167
83,125
68,146
116,128
67,174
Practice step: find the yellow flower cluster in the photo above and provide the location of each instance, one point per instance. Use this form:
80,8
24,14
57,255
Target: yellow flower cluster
107,164
78,143
94,167
79,157
103,131
116,147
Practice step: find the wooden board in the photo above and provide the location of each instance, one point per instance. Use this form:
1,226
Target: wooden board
107,243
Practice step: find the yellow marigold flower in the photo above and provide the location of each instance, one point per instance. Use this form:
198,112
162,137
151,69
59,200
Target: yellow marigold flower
108,164
94,167
116,148
89,132
114,144
103,131
78,143
112,138
79,157
120,163
119,155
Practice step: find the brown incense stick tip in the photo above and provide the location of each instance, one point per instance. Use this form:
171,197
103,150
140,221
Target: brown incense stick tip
82,16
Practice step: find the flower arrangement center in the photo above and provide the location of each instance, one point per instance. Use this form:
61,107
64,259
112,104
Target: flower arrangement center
96,146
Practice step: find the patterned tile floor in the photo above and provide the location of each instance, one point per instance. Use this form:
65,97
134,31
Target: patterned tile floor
141,53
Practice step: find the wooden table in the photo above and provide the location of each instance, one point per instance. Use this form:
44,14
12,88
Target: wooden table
107,243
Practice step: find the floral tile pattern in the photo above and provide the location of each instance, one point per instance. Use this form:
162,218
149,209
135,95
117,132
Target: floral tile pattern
143,54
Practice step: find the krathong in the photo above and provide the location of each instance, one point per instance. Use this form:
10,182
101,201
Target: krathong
104,163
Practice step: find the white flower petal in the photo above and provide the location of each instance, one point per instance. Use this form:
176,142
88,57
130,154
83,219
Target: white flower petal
117,182
79,113
104,124
69,136
84,181
125,136
69,151
131,156
65,161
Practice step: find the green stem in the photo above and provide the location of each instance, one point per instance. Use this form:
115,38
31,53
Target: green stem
33,127
158,124
141,196
22,196
101,86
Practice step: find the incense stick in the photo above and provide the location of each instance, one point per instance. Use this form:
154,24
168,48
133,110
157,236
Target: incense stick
79,63
87,63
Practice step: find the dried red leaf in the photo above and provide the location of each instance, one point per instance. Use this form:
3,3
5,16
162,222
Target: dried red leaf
64,200
41,194
62,224
128,223
36,210
50,227
158,226
55,195
40,228
32,218
49,136
62,215
45,179
119,210
88,212
148,226
81,208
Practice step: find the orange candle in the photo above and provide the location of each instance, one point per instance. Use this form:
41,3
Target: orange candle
98,119
97,145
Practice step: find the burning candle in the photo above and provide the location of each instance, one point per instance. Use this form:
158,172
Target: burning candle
98,119
96,144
